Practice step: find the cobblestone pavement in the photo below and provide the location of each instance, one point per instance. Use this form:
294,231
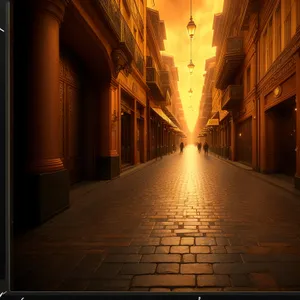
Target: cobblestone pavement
184,223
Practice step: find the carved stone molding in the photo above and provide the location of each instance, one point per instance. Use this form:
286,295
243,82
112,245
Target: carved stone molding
280,75
282,65
54,7
120,62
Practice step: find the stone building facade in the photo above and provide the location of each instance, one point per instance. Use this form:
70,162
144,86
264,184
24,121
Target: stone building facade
80,105
162,77
257,77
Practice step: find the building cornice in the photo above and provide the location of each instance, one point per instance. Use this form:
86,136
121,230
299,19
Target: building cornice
281,67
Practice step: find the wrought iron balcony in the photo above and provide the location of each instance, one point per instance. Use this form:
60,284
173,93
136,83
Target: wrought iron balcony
154,82
131,7
230,60
139,59
127,42
138,17
165,78
112,15
232,97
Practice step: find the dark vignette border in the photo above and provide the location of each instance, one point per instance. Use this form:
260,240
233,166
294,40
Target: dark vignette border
4,146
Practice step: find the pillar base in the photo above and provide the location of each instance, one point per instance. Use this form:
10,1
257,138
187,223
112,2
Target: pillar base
49,195
107,167
297,182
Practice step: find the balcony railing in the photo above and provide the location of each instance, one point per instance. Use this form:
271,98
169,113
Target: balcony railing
137,16
139,59
127,38
153,79
119,25
112,15
229,61
165,77
232,97
152,76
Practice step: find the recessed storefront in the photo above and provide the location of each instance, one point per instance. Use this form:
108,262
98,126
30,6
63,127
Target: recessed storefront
281,138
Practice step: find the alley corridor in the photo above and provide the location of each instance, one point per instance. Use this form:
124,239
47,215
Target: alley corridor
183,223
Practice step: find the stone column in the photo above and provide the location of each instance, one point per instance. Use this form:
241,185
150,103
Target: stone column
43,101
48,183
297,176
108,158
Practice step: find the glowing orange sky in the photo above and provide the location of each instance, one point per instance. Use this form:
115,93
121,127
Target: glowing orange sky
176,14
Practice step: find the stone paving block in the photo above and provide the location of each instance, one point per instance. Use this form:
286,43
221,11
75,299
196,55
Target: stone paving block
196,268
222,241
188,258
205,241
213,280
172,227
218,258
141,268
180,249
218,249
161,258
147,250
171,241
163,249
189,241
168,268
164,280
190,227
200,249
185,231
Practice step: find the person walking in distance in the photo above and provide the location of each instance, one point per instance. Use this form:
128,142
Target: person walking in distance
199,146
205,148
181,147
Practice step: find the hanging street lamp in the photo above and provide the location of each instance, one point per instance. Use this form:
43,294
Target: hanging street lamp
191,67
190,92
191,27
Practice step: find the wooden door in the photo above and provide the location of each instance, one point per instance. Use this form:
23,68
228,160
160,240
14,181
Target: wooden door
71,120
244,141
126,139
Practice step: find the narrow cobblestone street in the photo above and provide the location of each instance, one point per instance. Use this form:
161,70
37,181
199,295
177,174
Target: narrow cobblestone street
183,223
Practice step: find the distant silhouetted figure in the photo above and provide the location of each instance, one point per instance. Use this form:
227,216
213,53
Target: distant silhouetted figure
205,147
181,147
199,146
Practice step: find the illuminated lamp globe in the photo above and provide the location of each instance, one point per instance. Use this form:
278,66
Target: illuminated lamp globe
190,92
